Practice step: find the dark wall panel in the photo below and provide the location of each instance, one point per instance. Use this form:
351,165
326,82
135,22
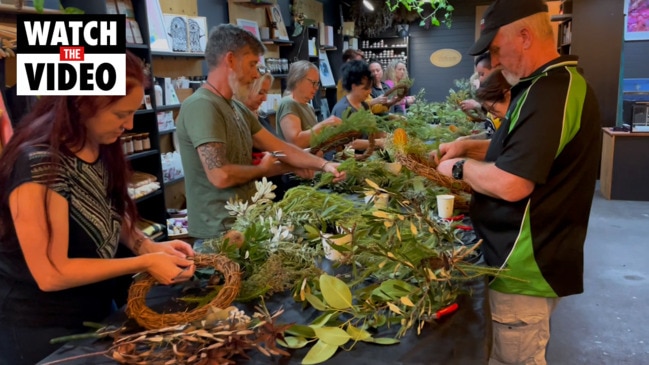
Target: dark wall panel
636,56
600,49
435,80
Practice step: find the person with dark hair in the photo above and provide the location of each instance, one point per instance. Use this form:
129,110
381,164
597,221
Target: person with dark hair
533,183
216,135
482,70
64,209
357,81
494,95
350,54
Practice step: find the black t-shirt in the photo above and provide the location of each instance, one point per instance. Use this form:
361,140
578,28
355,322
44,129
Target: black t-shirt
550,137
94,228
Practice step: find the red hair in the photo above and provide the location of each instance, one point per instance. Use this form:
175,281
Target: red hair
58,124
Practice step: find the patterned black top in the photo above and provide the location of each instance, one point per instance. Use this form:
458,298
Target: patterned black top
94,228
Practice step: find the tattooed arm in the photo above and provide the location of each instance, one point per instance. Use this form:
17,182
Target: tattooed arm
223,174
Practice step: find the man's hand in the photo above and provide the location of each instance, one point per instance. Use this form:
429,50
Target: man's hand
446,167
448,151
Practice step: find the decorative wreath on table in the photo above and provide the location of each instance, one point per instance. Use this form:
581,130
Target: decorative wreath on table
427,169
137,309
339,141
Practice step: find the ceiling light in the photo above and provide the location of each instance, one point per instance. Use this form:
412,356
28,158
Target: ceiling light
368,5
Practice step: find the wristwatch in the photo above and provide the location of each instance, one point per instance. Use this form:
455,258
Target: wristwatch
458,170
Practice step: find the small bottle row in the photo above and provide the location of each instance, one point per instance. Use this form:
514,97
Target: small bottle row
135,142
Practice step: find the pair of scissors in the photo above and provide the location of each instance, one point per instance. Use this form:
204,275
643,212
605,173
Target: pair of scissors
257,156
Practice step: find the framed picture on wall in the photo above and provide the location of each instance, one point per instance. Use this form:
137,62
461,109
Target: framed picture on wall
249,25
276,20
636,26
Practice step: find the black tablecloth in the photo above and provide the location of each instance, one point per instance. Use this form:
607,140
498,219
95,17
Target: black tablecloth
462,338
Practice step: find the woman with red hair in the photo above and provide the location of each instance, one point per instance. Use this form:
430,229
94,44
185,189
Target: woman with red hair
64,209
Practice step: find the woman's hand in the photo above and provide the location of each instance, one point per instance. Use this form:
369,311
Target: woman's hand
178,248
332,120
169,269
332,167
469,104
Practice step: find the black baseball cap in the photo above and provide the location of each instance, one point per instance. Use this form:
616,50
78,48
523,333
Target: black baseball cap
503,12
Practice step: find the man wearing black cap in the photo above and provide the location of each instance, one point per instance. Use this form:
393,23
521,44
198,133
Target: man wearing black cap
534,182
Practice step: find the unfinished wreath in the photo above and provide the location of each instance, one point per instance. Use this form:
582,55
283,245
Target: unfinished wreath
137,309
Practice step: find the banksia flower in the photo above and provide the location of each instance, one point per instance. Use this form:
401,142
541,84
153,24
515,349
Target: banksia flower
400,139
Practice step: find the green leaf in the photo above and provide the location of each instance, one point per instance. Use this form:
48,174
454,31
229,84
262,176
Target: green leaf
335,292
313,232
322,319
39,5
320,352
293,342
358,334
385,341
434,21
422,23
315,302
300,330
332,335
73,10
449,7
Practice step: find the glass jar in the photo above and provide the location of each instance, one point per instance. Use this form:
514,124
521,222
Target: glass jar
137,143
122,141
129,144
146,142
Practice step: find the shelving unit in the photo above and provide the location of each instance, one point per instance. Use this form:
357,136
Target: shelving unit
564,29
386,49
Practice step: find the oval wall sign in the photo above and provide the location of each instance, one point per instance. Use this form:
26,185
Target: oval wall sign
445,57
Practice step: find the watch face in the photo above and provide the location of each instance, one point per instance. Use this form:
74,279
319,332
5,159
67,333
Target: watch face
457,171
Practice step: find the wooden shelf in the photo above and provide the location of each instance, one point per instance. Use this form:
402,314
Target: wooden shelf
11,9
393,47
253,3
279,42
173,181
148,196
168,131
177,54
163,108
146,153
560,17
328,48
143,111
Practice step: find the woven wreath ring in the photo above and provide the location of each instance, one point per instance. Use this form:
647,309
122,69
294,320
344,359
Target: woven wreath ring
459,188
137,309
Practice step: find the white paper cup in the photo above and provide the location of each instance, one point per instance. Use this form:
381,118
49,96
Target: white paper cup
331,253
445,205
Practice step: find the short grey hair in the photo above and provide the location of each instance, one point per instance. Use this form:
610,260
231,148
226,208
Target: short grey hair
226,38
297,72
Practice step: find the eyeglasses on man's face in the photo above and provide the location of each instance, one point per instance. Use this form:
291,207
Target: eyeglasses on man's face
315,84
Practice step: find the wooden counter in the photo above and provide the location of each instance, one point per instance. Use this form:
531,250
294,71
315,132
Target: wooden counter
625,165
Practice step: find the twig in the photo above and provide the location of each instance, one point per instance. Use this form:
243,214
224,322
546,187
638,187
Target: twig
77,357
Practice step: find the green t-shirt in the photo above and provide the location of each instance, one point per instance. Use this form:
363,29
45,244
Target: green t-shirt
305,112
204,118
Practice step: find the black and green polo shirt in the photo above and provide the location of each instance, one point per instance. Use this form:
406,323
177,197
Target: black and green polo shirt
550,137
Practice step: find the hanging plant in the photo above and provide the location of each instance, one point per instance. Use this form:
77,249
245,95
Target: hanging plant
430,13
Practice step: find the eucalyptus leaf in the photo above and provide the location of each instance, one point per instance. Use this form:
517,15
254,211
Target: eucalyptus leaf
315,302
335,292
293,342
332,335
357,334
320,352
385,341
322,319
300,330
298,29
